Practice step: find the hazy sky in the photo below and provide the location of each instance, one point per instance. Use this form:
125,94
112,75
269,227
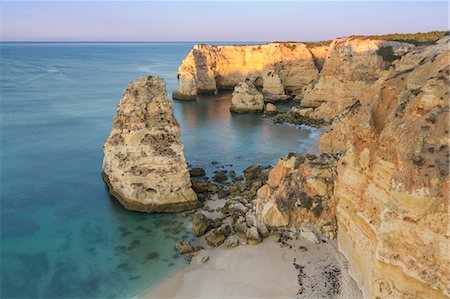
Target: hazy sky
214,21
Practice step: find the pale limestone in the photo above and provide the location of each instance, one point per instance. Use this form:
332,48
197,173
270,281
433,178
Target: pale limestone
144,163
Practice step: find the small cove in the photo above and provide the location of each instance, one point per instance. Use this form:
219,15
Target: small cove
62,236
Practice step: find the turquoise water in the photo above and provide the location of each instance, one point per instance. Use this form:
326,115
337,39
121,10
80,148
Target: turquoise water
62,236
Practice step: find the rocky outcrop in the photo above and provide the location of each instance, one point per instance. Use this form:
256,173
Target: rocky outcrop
207,68
392,181
273,88
246,98
351,66
298,194
143,163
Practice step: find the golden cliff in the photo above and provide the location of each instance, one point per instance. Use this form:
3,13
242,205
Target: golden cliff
351,66
392,182
144,164
281,69
389,193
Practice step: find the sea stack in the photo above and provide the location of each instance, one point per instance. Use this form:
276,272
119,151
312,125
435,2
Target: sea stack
144,164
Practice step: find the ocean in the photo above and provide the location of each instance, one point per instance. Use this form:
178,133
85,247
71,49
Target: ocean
62,235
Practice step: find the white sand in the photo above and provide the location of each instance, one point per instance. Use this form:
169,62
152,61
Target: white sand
262,271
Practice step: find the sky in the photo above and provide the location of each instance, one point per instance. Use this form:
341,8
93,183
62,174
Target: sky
214,20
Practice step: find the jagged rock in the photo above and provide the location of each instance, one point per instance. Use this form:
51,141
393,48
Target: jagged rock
262,229
217,236
232,241
237,208
273,89
251,219
240,226
253,236
252,172
144,164
183,247
220,177
199,187
351,67
238,178
246,98
197,172
222,193
299,190
200,224
208,68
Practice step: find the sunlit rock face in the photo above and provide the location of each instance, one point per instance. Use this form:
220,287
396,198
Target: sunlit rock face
207,68
392,182
350,67
246,98
144,164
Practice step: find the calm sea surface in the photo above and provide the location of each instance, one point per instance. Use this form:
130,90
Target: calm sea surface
62,236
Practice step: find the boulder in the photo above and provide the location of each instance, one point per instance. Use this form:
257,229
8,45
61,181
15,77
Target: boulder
183,247
253,236
270,108
220,177
144,164
216,237
232,241
252,172
197,172
200,224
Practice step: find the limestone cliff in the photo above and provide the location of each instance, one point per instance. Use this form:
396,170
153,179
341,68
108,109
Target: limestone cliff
389,192
351,66
143,163
207,68
392,183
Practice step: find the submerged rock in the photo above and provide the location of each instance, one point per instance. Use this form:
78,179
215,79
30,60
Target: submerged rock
144,164
197,171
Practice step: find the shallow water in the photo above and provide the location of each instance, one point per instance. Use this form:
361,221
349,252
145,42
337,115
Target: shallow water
62,236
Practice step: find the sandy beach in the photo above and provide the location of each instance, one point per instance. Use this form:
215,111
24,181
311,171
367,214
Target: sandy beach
267,270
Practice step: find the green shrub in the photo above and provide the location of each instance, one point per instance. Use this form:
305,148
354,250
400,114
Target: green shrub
318,208
387,53
305,201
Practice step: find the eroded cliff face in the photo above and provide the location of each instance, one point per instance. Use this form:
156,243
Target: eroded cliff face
391,187
144,163
351,66
298,194
207,68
